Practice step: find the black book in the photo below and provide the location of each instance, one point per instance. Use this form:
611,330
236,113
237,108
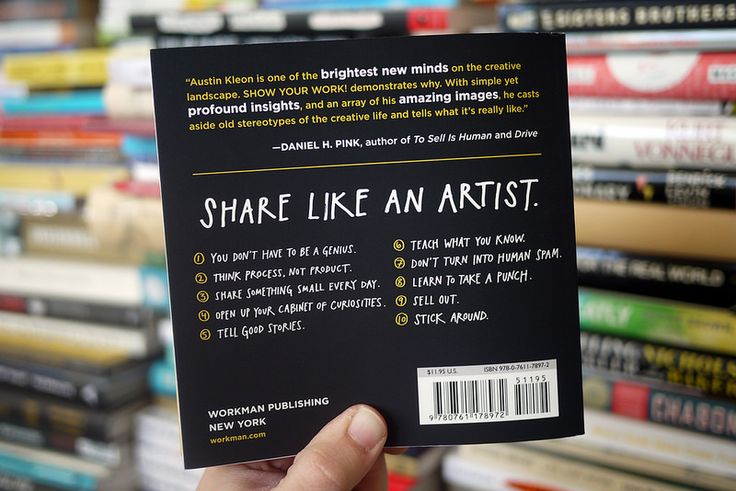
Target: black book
608,15
676,278
386,221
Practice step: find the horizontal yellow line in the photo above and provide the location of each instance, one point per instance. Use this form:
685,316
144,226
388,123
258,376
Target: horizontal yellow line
364,164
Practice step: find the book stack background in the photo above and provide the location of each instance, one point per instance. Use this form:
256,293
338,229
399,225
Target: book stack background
87,383
87,386
651,89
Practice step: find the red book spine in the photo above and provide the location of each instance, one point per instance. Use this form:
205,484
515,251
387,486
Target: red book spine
675,75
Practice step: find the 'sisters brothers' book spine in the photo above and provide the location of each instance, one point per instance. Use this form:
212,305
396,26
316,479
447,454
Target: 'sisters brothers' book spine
386,221
613,16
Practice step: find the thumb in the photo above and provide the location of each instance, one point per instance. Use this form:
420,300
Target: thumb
341,454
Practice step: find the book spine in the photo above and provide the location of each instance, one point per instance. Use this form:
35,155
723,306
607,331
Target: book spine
687,280
105,453
46,474
58,417
80,68
78,102
136,342
128,102
72,280
39,203
656,229
90,390
670,75
78,310
511,467
40,34
654,142
678,187
37,9
613,16
654,107
76,179
686,325
696,371
350,23
640,401
671,446
13,482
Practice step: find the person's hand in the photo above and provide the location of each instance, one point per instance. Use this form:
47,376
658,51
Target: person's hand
346,454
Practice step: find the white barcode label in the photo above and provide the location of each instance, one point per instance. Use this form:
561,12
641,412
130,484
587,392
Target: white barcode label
488,393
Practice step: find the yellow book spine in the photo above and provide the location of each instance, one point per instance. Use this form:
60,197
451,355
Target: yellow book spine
78,180
80,68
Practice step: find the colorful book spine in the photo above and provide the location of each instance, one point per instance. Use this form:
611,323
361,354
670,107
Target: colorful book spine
670,75
353,4
58,70
76,179
677,187
649,319
349,22
78,102
654,142
643,402
699,372
684,279
616,15
49,470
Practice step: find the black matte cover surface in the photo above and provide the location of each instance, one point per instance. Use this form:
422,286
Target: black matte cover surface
414,248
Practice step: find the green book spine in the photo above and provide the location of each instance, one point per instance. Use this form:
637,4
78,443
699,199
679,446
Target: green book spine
681,324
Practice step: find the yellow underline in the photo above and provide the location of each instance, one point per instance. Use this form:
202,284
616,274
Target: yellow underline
364,164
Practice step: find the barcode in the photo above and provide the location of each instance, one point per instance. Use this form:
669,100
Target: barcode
531,398
470,396
488,393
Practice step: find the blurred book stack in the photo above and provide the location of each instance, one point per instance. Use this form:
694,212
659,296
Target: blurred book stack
82,279
651,88
130,29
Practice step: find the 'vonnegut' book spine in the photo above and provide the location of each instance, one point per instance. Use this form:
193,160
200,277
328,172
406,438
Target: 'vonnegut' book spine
708,374
611,15
677,323
655,142
678,187
647,402
676,278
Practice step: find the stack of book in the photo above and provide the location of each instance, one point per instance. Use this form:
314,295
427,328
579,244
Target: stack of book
82,282
654,152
